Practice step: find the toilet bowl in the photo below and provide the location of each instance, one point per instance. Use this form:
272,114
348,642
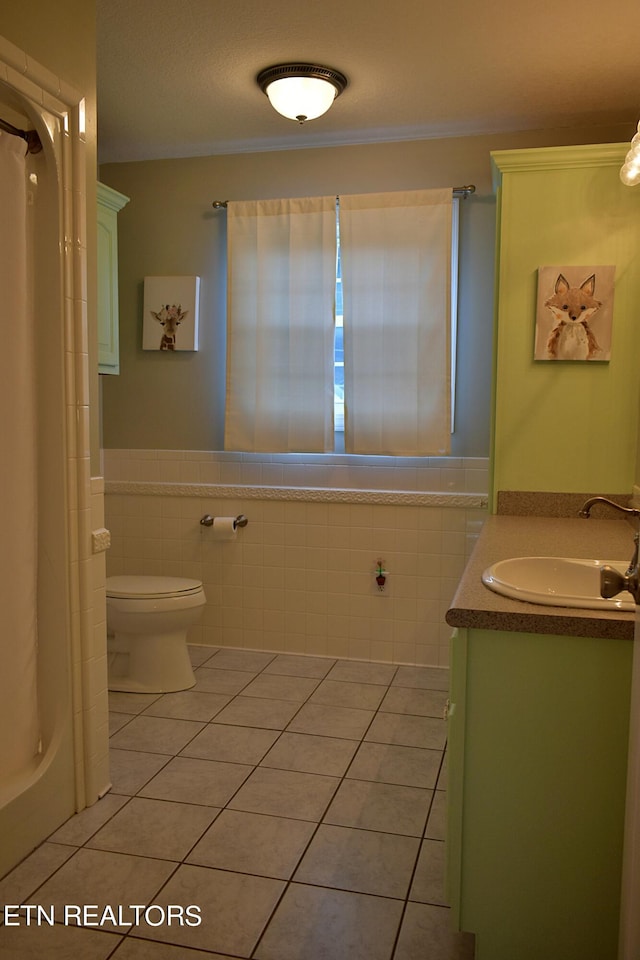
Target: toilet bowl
147,623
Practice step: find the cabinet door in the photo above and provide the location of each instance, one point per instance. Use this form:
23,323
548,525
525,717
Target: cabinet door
109,203
455,788
545,748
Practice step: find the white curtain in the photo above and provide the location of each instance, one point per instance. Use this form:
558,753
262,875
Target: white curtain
280,334
18,495
396,280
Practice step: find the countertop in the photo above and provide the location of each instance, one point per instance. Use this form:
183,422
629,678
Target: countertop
474,605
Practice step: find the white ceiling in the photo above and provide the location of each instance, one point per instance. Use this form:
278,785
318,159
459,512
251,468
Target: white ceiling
176,78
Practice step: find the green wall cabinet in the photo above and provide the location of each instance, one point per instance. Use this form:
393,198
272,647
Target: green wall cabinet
552,430
538,754
110,202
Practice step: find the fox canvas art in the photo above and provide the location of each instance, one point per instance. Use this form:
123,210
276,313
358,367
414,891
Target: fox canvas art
573,323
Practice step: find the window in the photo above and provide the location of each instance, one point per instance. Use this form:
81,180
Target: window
338,377
340,325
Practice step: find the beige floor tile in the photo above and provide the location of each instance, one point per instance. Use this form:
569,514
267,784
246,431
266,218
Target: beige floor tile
19,883
190,780
131,769
437,822
313,923
252,712
133,949
429,878
121,702
298,666
407,730
443,776
388,763
154,828
199,654
55,943
426,925
276,687
360,860
79,828
328,721
423,703
251,660
188,705
245,830
340,693
311,754
103,878
234,909
361,672
230,682
219,741
428,678
285,793
156,735
117,721
253,843
387,807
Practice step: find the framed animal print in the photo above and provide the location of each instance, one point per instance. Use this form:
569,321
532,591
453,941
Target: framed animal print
574,314
171,313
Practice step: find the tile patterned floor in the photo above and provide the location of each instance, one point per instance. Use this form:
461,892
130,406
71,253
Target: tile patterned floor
299,802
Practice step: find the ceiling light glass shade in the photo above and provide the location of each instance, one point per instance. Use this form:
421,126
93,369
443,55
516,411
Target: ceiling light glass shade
630,172
301,98
301,91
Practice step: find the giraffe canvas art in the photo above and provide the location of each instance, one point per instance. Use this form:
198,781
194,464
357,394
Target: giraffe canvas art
170,318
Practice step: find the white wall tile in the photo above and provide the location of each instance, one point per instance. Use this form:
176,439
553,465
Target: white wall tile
300,578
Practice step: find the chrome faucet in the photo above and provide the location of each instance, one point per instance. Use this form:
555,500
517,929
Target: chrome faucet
611,581
588,504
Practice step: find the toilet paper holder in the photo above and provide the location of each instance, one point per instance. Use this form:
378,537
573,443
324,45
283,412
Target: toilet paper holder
240,521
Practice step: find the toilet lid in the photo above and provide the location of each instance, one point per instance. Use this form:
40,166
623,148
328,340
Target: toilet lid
149,587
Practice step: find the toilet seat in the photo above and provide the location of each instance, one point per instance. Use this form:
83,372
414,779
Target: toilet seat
149,588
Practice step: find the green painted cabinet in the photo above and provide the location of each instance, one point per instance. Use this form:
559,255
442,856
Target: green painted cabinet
110,202
538,753
564,207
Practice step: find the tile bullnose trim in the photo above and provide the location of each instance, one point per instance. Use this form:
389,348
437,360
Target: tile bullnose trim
475,501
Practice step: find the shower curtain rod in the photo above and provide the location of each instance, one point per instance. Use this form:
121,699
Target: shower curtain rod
462,192
34,144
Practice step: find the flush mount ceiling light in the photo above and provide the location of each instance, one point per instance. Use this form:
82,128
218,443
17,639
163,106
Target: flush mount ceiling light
301,91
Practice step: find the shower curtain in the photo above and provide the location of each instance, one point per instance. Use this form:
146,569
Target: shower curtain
19,737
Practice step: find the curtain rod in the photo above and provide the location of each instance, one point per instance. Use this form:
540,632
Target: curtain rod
34,144
462,192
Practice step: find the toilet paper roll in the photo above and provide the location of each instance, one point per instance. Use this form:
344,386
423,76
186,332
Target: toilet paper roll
224,528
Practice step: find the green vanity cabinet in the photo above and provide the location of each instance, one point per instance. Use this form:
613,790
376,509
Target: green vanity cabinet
538,753
110,202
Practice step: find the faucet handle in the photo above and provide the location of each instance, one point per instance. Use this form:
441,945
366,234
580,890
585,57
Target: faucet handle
612,582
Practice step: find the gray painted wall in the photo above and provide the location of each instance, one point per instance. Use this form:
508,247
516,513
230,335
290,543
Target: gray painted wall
176,401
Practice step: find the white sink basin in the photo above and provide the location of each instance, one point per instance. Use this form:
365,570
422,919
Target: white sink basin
556,581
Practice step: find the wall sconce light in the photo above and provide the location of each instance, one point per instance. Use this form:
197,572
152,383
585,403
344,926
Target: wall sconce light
301,91
630,171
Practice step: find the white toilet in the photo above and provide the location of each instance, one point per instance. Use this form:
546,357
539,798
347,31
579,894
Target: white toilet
147,623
